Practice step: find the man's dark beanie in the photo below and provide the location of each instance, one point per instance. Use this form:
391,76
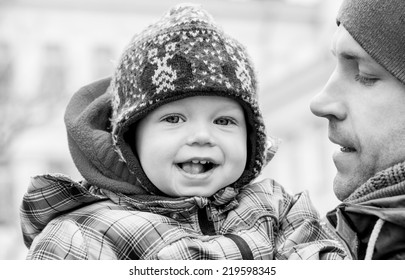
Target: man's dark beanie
379,27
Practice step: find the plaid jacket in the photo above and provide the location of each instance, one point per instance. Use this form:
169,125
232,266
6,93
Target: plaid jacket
62,219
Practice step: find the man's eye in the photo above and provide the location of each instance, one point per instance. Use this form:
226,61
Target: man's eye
173,119
224,121
365,80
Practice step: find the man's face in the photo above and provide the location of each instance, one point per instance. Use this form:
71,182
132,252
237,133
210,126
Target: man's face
194,146
365,107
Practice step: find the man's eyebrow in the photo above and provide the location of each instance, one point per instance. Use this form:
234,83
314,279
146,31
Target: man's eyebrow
351,56
346,54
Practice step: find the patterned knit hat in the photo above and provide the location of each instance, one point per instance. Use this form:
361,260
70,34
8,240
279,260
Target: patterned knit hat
184,54
379,27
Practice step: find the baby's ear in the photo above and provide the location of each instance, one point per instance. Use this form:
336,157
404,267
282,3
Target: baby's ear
271,148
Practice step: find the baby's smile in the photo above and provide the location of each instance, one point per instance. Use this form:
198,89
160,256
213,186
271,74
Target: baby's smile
197,166
193,146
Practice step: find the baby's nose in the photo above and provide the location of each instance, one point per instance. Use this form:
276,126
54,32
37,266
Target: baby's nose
200,134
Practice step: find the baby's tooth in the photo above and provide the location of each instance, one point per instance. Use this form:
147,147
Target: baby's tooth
195,161
193,168
203,161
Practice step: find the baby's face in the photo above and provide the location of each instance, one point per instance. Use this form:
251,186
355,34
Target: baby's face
194,146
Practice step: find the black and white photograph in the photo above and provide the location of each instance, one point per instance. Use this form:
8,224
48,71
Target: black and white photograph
202,130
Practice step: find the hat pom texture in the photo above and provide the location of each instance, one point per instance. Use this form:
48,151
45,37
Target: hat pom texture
184,54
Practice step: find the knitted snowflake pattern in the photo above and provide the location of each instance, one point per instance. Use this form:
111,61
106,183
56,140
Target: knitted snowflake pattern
182,55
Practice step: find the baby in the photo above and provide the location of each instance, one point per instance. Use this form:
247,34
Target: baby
169,149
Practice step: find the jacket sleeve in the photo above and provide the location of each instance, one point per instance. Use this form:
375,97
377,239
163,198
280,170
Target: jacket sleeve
302,234
62,239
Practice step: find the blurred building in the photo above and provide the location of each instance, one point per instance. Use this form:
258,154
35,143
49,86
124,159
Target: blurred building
50,48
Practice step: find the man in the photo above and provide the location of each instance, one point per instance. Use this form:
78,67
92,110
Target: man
364,102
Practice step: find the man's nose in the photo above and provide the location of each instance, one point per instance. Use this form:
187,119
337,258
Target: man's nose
329,103
200,133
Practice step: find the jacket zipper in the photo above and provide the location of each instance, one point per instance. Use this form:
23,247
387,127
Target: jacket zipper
205,220
209,212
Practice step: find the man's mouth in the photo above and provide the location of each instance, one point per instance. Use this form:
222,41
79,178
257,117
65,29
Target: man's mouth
347,149
345,145
196,166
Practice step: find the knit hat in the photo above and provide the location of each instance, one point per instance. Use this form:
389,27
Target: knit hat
379,27
184,54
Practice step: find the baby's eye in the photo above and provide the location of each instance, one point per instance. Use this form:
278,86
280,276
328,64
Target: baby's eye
173,119
366,81
224,121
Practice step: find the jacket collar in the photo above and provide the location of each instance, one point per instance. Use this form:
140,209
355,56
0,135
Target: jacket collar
49,196
224,200
381,198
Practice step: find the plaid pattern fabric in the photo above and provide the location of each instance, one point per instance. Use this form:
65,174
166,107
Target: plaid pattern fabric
62,219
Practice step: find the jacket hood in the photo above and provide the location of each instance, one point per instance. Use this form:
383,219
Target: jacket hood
91,144
87,120
390,209
374,229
